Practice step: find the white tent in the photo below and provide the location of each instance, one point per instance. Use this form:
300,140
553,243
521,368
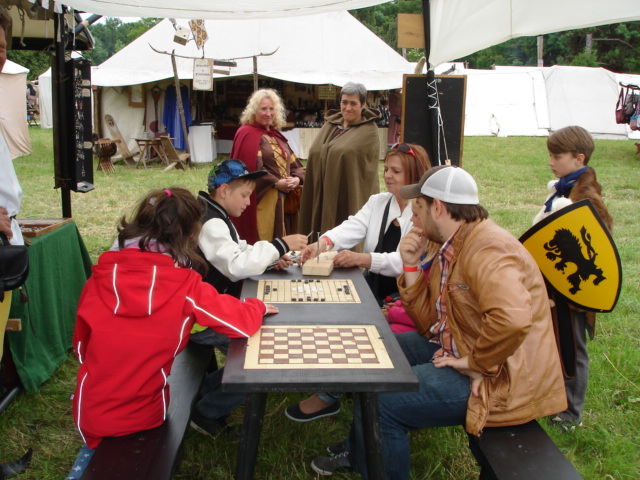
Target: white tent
13,110
317,54
45,99
458,27
330,48
533,101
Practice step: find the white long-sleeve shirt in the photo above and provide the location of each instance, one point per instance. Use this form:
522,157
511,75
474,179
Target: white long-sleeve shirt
365,225
10,190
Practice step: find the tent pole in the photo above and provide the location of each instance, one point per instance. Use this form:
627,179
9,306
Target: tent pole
179,99
255,73
432,92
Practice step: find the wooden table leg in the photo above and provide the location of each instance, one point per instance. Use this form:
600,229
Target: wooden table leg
371,432
251,428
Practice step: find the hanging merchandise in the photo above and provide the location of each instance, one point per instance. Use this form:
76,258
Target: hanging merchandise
621,116
633,123
630,102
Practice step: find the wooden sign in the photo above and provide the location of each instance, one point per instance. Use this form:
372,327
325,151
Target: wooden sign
410,30
203,74
327,92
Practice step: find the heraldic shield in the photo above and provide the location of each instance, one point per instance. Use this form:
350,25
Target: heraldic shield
577,256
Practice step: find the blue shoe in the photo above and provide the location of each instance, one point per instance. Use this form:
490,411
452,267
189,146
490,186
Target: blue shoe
294,413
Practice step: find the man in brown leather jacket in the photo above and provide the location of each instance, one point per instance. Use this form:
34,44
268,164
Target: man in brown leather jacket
485,352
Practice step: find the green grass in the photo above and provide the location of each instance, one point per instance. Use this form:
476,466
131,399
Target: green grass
511,174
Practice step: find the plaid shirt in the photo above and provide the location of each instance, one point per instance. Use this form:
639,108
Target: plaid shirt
440,330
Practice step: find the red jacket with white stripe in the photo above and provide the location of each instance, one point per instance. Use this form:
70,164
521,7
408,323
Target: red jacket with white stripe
134,316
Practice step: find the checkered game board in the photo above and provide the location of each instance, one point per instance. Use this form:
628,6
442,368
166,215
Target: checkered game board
316,346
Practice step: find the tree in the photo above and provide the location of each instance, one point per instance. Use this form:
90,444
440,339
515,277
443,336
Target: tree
36,62
614,46
113,35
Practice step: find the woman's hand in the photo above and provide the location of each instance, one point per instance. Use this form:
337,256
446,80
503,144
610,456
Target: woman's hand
282,185
347,258
5,222
309,252
287,184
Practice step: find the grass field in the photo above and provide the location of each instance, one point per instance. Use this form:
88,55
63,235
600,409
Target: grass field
511,174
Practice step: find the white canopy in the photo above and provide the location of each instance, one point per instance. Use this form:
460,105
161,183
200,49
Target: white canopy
13,111
458,27
329,48
220,9
462,27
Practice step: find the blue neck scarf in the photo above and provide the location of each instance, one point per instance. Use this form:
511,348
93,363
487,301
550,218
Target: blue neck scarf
563,187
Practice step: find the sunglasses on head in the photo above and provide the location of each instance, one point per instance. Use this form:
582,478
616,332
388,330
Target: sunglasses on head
404,148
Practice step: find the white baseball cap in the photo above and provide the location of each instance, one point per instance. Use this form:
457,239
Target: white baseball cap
449,184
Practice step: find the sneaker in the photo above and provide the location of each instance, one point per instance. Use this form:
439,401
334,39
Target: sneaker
212,427
294,413
564,425
338,448
325,466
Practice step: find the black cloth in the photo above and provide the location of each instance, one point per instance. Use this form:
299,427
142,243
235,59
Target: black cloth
381,285
214,276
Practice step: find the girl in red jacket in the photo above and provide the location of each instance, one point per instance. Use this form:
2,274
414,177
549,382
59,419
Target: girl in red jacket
135,314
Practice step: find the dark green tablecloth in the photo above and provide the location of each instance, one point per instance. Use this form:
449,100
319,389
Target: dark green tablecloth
59,266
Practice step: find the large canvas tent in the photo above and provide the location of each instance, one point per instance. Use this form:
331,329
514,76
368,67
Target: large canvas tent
321,55
330,48
13,119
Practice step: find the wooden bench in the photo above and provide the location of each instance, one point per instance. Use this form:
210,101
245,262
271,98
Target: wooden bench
155,454
523,452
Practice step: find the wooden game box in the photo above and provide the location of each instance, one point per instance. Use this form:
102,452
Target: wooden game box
34,227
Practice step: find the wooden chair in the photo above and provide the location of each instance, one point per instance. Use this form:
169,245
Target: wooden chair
32,114
127,155
176,159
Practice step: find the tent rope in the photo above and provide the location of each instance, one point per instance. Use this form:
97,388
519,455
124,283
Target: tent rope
434,103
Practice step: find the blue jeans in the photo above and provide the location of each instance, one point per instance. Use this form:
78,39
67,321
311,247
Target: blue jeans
210,337
441,401
214,402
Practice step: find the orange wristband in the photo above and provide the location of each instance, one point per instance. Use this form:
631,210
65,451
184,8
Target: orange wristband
410,269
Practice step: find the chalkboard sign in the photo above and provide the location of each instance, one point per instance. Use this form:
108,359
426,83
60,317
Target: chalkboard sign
418,123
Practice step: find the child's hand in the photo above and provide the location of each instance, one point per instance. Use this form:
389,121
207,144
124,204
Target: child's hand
271,309
283,262
295,242
385,310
